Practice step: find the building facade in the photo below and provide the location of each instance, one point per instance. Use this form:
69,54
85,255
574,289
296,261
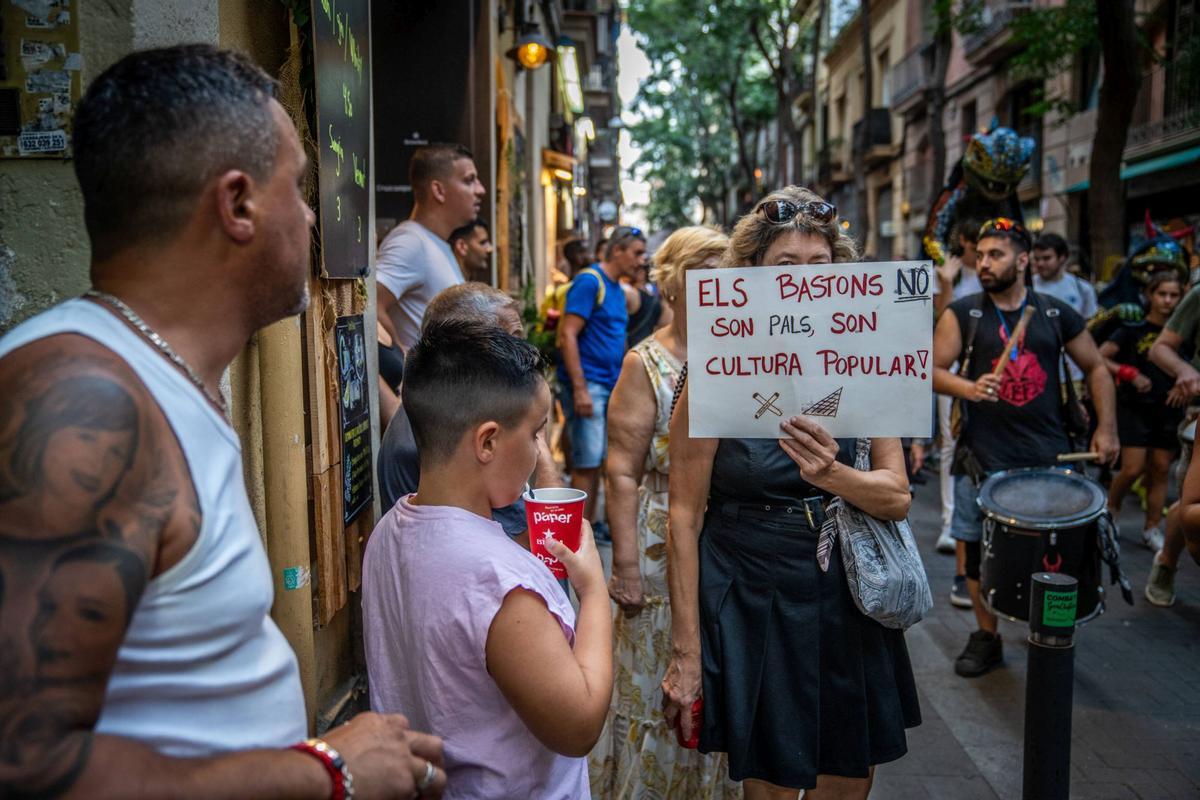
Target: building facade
544,140
1161,158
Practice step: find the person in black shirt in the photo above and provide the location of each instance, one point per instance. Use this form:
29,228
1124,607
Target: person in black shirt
1147,424
1015,419
391,374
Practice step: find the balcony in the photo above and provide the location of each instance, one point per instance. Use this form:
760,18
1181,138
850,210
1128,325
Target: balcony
831,164
910,79
992,41
601,152
878,145
1166,115
917,187
804,95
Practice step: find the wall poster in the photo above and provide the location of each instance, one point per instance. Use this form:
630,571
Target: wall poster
40,80
354,391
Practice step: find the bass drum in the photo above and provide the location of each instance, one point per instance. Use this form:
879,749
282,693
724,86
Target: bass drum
1041,520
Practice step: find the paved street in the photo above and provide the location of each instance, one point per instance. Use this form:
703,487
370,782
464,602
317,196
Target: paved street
1136,727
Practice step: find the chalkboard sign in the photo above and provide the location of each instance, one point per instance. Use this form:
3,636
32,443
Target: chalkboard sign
342,50
354,391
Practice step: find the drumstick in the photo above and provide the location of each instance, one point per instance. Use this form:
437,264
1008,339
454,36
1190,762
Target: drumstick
1064,457
1013,341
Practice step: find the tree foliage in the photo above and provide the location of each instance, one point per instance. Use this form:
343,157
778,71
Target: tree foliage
707,98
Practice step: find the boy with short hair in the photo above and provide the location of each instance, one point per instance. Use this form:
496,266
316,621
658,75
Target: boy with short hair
467,633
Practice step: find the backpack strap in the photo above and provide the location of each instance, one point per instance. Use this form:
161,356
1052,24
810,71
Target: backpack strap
974,315
958,406
601,289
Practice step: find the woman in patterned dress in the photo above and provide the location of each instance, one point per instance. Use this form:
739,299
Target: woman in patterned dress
638,756
799,688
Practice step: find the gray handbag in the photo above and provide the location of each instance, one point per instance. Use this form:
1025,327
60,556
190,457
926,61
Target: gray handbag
887,579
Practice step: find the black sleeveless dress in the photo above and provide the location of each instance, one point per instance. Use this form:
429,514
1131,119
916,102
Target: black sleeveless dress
797,681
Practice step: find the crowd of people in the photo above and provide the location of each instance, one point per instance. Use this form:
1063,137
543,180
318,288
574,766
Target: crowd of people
726,659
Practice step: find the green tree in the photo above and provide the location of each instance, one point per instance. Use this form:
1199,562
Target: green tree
702,107
1049,39
780,34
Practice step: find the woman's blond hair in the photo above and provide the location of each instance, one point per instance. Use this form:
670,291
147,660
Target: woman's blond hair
686,248
754,233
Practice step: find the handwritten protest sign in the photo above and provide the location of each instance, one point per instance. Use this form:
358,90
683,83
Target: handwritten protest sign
849,345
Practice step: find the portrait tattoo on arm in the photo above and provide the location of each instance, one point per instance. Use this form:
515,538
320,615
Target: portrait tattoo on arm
92,484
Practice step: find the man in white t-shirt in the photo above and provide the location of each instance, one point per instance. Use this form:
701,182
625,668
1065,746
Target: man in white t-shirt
1050,276
415,261
1050,254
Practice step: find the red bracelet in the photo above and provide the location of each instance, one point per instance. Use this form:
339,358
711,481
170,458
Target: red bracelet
1127,373
335,765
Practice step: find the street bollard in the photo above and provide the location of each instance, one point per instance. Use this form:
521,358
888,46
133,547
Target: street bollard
1050,687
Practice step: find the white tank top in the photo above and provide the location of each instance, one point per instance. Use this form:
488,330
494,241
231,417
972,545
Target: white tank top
203,668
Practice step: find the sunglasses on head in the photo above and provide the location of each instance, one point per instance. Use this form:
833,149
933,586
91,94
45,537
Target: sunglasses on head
627,232
1003,226
781,212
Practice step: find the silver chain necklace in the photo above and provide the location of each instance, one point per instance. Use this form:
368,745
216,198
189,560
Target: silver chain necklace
151,336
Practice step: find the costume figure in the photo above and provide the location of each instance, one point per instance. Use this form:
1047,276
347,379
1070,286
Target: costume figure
1122,301
983,185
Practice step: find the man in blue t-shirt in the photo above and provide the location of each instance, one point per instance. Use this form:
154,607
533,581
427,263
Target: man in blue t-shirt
591,341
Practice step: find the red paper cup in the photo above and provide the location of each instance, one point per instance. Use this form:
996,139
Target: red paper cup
557,513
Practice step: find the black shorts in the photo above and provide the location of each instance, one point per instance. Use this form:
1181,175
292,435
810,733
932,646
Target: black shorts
1148,425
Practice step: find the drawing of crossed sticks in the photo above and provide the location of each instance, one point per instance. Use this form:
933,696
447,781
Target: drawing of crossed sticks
768,404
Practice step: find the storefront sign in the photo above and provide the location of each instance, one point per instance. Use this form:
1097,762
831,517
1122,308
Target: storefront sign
342,50
848,345
354,390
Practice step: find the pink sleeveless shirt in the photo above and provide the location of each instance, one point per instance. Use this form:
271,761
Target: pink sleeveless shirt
433,579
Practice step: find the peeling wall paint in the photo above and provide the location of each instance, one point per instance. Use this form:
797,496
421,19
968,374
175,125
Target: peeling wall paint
11,299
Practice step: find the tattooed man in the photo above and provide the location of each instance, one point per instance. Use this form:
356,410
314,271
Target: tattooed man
137,654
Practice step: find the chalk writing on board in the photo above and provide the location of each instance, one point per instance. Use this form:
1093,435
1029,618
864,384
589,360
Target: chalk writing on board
342,60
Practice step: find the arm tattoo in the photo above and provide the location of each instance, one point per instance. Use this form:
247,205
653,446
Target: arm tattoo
90,478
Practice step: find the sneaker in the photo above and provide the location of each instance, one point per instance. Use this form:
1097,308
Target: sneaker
1152,538
983,653
945,543
1160,588
959,596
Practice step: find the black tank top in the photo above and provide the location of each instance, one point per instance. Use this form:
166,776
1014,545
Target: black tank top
758,471
391,366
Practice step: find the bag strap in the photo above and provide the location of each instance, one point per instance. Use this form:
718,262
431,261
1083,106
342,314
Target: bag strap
678,389
974,315
862,455
1067,398
601,289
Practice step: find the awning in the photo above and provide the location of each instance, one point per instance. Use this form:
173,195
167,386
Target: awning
1177,159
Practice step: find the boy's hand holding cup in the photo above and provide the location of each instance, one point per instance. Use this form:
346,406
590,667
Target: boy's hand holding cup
584,568
557,534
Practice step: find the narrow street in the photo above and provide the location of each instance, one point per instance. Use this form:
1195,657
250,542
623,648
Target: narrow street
1136,726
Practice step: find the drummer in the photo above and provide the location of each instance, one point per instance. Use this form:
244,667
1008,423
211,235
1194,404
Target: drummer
1013,415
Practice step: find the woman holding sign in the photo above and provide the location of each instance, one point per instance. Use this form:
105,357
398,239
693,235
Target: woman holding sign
799,687
638,415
